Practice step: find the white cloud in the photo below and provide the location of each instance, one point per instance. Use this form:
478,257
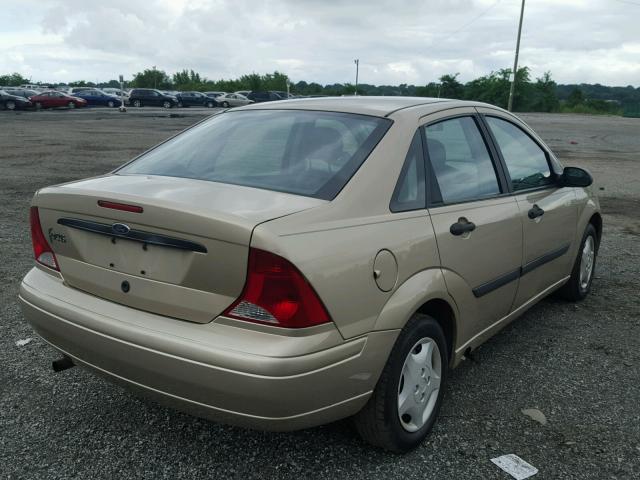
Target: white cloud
397,41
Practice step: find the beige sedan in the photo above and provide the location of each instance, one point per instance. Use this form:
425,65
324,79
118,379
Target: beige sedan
232,100
280,267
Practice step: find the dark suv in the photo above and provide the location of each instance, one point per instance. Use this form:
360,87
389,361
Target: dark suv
140,97
195,99
264,96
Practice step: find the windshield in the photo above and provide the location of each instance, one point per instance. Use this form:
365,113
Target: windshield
301,152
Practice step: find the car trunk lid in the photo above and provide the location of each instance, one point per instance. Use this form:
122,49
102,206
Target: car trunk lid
184,255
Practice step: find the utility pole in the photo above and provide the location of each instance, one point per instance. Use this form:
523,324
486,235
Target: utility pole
515,62
155,78
357,62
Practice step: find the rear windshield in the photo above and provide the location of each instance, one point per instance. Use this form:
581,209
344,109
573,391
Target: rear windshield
300,152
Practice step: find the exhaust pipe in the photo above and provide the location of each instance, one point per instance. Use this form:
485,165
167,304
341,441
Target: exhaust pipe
61,364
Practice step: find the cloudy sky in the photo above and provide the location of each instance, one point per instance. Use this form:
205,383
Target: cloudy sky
397,41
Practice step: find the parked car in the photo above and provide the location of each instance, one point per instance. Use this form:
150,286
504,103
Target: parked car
53,99
214,94
195,99
98,97
116,92
13,102
139,97
283,95
74,90
233,100
287,265
263,96
243,92
21,92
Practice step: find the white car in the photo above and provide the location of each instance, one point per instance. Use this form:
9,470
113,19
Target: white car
116,92
232,100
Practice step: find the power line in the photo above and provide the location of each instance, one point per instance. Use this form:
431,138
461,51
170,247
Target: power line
629,2
472,21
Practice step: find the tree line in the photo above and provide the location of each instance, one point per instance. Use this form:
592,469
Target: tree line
542,94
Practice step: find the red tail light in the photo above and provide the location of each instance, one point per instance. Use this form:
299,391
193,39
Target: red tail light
276,293
120,206
41,249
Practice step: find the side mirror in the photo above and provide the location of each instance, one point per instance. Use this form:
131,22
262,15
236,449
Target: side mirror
575,177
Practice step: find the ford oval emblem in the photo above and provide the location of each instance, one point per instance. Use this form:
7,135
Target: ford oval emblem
120,228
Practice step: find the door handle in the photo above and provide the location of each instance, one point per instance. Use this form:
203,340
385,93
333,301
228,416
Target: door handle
461,227
535,212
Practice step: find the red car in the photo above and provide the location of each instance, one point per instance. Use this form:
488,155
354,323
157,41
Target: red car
56,99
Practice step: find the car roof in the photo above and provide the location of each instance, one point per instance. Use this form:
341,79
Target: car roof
377,106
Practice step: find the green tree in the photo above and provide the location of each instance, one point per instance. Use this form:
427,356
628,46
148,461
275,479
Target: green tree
151,78
13,80
575,98
450,87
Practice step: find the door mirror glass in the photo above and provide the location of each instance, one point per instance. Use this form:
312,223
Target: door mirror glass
575,177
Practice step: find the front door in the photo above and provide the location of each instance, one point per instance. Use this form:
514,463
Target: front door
549,212
477,223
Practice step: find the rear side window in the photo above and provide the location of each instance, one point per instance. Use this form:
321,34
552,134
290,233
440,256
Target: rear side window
300,152
460,161
409,193
526,161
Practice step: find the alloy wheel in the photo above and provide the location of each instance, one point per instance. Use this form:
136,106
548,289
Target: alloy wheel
11,105
71,105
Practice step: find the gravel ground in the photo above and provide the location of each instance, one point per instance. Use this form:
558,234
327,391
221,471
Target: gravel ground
577,363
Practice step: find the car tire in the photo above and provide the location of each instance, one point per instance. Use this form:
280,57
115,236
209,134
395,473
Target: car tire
137,103
71,105
407,385
225,104
209,105
180,105
111,104
38,106
579,284
167,104
10,105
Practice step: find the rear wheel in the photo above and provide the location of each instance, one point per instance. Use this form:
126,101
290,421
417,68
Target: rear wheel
111,104
579,284
10,105
405,403
71,105
209,104
225,104
38,105
167,104
137,103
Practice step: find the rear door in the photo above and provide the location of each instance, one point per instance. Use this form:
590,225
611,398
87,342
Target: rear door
477,223
549,212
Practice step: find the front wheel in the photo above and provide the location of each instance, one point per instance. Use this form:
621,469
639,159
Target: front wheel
38,106
209,104
579,284
10,105
71,105
166,104
137,103
111,104
405,403
225,104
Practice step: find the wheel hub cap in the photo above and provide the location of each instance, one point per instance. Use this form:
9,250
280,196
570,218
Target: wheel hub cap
587,261
419,384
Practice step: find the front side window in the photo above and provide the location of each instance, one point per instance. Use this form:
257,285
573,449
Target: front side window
300,152
460,162
526,161
409,193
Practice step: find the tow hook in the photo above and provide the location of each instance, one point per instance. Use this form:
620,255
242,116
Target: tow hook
62,364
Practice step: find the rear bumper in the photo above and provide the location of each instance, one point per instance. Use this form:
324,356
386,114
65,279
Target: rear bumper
244,376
